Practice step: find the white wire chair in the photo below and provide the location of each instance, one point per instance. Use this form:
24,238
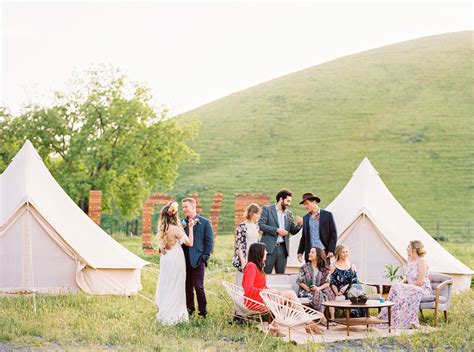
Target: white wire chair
290,314
243,307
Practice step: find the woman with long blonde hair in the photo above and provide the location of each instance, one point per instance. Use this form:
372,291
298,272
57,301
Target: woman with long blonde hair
170,292
407,294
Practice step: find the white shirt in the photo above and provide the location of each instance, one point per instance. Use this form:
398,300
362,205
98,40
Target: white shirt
252,234
281,222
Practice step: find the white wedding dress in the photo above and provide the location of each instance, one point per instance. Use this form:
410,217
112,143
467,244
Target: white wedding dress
171,290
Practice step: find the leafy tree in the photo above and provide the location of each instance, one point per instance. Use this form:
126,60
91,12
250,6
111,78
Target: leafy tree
105,134
10,141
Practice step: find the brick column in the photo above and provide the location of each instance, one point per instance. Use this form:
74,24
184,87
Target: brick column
95,206
195,196
147,212
215,212
242,200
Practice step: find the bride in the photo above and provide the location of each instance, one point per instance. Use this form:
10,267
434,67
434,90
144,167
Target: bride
170,291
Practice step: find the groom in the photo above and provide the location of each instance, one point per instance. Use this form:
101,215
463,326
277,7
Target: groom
196,256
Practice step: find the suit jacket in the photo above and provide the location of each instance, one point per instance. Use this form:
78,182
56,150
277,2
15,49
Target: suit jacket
268,224
327,232
202,244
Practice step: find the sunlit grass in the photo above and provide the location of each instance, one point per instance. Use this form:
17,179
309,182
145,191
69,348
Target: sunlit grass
80,321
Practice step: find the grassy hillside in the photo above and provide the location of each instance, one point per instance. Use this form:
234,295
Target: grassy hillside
408,107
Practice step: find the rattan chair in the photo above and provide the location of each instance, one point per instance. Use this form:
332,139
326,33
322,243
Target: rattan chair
243,307
290,314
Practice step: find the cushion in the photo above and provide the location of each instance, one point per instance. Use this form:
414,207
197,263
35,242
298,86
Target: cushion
304,300
280,287
431,298
375,296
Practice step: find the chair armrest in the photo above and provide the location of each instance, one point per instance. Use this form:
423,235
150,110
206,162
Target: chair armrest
377,286
438,289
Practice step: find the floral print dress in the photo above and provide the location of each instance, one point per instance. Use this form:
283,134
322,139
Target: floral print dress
340,278
407,298
312,276
245,235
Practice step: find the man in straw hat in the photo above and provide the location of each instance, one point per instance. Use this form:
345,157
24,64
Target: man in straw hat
319,229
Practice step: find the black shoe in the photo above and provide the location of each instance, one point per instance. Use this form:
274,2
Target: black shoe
190,312
238,320
203,314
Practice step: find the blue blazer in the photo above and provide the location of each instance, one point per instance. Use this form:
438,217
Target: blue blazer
327,233
203,242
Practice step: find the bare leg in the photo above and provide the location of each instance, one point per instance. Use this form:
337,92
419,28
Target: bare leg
291,295
331,312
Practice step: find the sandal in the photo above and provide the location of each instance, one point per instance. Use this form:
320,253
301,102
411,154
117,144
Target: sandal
316,329
276,333
313,329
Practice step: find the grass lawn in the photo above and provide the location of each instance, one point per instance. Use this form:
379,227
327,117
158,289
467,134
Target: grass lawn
83,322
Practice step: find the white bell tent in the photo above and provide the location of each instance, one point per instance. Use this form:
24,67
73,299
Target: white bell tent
49,245
377,230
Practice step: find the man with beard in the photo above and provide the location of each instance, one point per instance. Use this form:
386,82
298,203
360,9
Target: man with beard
276,223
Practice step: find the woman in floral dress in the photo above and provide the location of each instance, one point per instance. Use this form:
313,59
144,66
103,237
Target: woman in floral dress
407,294
245,235
313,280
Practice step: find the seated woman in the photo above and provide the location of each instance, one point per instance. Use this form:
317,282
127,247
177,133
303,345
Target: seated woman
407,294
313,280
343,276
254,281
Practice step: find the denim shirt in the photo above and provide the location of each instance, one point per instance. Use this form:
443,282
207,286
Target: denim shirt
314,231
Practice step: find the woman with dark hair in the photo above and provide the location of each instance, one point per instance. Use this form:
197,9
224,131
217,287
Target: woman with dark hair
254,280
245,235
313,280
170,291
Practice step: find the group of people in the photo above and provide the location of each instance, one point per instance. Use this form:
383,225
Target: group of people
262,247
327,271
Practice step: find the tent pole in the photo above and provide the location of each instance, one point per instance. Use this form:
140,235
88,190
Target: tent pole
364,245
31,256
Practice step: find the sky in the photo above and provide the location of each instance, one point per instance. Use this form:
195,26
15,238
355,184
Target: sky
191,53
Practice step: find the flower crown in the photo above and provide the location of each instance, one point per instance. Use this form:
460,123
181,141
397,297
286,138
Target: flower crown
173,209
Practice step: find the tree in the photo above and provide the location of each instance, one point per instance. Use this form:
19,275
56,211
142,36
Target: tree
105,134
10,140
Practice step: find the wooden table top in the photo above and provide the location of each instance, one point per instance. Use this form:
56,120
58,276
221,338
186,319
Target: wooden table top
371,303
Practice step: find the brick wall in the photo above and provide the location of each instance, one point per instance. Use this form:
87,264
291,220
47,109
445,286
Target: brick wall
242,200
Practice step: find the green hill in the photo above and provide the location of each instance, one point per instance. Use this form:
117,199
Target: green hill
408,107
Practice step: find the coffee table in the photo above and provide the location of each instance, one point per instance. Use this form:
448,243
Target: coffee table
348,321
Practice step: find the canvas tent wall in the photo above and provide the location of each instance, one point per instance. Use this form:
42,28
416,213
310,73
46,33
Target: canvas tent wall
377,230
48,244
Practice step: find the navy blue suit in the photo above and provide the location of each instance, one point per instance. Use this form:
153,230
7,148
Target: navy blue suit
327,233
197,257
